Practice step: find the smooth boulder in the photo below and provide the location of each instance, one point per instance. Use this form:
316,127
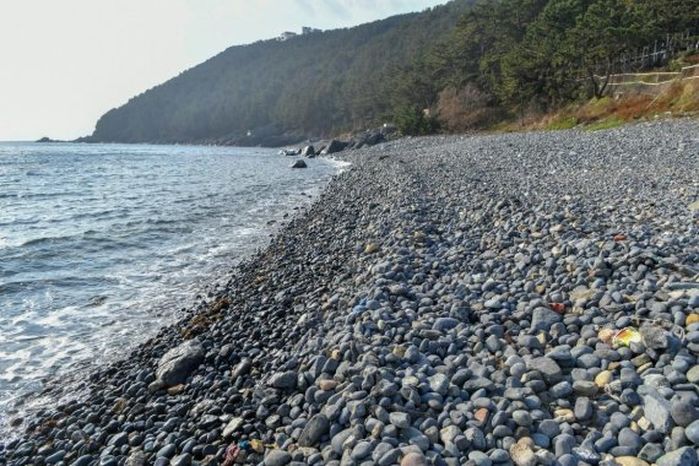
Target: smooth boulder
178,363
317,427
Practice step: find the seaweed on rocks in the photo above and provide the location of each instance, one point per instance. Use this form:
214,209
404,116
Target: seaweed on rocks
446,301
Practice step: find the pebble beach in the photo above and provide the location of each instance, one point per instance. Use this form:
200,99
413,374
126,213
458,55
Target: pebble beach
525,298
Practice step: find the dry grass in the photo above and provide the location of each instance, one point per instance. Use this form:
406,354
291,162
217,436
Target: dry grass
678,99
692,59
465,109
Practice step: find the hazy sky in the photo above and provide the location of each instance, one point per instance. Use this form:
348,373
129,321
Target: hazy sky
63,63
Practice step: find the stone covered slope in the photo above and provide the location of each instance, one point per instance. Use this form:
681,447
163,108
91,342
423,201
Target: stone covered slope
446,301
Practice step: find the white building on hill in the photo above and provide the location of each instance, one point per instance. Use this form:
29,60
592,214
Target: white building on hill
284,36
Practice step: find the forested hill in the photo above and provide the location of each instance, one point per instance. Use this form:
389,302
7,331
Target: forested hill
311,85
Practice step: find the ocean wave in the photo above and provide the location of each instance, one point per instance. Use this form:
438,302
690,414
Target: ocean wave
341,164
47,195
23,286
43,240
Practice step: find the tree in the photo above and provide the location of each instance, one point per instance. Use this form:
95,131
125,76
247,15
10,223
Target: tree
413,121
607,29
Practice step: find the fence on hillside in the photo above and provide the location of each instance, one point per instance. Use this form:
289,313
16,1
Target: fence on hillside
608,74
656,55
651,83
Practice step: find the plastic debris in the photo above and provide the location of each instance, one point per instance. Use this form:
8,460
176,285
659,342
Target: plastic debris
626,336
231,455
259,446
371,248
236,448
558,307
620,237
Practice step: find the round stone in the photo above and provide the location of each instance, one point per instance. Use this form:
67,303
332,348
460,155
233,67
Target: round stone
522,418
414,459
603,378
277,457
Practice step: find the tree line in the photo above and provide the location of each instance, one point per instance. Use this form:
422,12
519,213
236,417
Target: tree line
506,57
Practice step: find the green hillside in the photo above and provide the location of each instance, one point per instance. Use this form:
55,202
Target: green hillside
467,64
316,84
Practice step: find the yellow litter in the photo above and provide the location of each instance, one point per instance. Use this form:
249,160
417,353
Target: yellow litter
626,336
257,445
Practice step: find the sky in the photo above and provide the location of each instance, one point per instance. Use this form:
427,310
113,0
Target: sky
64,63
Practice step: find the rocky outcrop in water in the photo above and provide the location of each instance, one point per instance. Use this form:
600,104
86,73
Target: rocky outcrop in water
308,151
47,139
355,141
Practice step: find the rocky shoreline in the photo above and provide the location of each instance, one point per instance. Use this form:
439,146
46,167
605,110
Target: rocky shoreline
272,138
522,299
357,141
